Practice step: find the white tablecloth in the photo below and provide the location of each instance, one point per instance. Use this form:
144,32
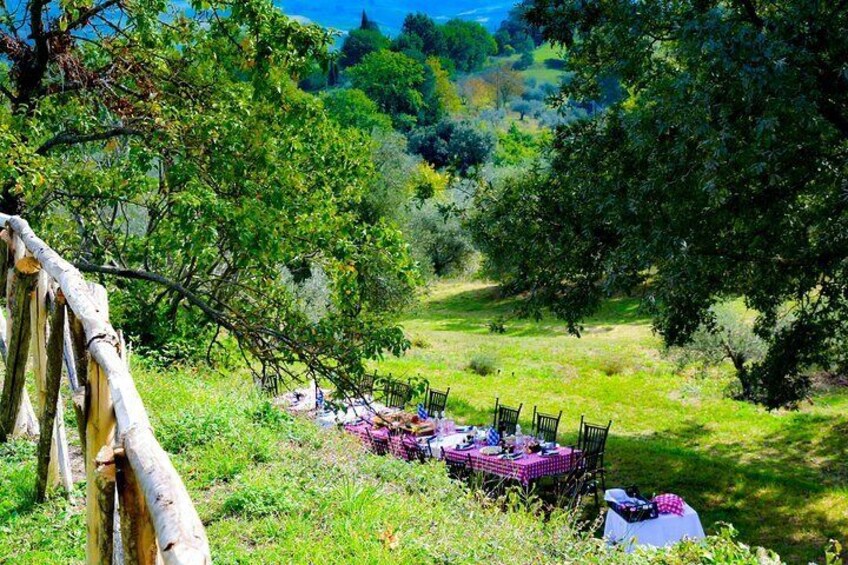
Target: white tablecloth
450,440
354,412
659,532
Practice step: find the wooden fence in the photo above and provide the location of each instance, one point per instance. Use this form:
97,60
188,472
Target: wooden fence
133,493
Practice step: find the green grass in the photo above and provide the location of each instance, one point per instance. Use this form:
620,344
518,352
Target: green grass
541,70
274,489
780,477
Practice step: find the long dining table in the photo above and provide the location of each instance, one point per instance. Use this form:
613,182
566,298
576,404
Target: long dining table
525,469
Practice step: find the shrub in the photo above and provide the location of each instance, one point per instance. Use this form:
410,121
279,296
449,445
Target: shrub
728,337
439,242
525,62
483,364
455,144
611,365
420,342
498,325
270,416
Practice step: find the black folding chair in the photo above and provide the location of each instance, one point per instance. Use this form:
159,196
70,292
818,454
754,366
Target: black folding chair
457,470
365,387
379,446
571,486
397,394
506,418
592,441
545,425
435,401
412,450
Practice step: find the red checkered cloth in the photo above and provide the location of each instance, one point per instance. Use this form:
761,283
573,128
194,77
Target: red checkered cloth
529,468
669,504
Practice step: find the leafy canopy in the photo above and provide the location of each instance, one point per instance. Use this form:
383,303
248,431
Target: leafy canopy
393,81
359,43
717,170
351,107
174,154
468,44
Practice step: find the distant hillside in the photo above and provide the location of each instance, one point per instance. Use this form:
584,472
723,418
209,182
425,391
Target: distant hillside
389,14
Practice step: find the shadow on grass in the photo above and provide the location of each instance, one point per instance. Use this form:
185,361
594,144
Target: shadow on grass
471,311
775,498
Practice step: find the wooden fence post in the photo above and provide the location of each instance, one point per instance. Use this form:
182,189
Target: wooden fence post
26,424
179,533
137,532
26,275
100,509
51,435
100,437
81,362
57,459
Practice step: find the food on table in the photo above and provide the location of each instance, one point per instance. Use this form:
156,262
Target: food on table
532,447
393,419
491,450
405,421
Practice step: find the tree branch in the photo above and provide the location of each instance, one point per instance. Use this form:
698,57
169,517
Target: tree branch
72,138
751,13
9,94
83,18
217,316
11,46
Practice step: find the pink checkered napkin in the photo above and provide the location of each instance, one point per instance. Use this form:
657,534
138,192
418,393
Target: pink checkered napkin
669,504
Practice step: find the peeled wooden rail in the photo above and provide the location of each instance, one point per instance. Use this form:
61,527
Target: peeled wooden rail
159,518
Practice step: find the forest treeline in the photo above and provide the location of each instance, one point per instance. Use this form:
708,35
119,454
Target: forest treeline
234,176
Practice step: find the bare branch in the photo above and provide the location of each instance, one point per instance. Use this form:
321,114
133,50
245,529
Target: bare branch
218,317
72,138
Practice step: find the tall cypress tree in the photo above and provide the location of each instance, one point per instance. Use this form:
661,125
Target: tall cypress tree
368,24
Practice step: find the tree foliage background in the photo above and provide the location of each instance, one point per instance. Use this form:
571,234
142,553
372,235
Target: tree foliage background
717,170
173,155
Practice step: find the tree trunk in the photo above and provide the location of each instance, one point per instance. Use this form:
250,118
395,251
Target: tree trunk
26,275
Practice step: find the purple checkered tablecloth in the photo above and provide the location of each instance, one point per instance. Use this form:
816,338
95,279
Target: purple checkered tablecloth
395,443
528,468
361,431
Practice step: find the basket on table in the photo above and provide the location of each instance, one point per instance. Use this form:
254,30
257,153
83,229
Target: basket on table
631,505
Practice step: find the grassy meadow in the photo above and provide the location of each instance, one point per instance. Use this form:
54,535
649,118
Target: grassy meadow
544,68
779,478
273,489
